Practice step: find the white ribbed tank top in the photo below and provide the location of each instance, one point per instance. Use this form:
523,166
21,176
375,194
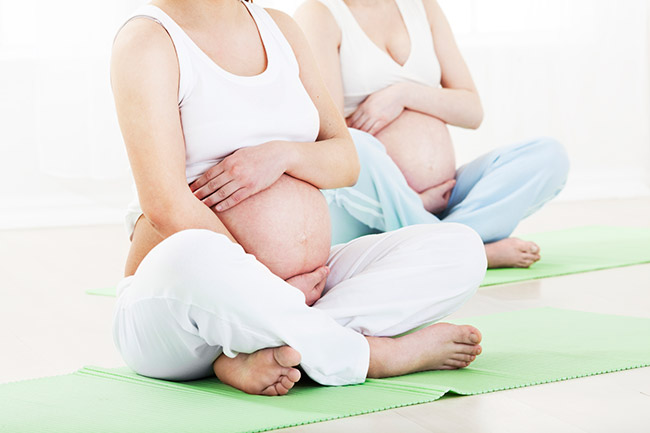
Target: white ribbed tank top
222,112
366,68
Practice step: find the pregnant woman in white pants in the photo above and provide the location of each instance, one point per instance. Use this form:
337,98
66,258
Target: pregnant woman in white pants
224,96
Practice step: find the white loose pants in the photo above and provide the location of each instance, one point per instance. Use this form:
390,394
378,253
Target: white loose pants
197,295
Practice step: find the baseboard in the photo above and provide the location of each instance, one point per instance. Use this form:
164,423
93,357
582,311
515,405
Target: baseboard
68,211
598,186
59,217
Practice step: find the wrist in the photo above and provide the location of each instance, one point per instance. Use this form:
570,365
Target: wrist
286,154
403,92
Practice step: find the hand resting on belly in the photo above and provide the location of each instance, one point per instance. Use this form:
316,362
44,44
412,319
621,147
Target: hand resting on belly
421,147
283,221
286,227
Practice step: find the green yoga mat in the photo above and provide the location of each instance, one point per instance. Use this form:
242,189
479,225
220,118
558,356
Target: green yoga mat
580,249
521,348
564,252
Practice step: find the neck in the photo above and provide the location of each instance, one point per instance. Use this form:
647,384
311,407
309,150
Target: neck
200,11
367,3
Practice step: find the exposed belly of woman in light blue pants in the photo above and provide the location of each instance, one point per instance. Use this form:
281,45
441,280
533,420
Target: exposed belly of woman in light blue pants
492,193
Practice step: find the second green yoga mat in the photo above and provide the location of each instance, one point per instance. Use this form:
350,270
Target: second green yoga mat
564,252
580,249
521,348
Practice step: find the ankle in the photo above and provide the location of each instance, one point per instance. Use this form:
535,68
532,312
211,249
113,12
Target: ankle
385,357
221,365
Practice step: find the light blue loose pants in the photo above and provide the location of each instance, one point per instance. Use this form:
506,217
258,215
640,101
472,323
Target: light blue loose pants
492,193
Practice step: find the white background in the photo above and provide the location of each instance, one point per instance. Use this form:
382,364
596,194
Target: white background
577,70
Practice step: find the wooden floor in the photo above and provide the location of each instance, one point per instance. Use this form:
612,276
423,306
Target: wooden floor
49,326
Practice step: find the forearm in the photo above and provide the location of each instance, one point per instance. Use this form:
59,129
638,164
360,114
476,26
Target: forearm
326,164
458,107
185,213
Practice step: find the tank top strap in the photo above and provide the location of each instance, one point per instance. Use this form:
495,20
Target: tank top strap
276,43
415,20
180,39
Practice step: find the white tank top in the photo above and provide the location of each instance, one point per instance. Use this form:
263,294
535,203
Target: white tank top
366,68
222,112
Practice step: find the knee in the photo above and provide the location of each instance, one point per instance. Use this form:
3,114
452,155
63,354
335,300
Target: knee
551,157
186,263
470,250
187,250
153,342
456,266
463,252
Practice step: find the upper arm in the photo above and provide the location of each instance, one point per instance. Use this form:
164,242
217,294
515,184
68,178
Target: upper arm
331,121
455,73
324,37
144,78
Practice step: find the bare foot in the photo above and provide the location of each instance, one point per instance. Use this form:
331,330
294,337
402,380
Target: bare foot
442,346
265,372
511,253
311,284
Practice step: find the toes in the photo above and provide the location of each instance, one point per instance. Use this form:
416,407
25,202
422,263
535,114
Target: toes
456,364
530,248
293,375
466,334
527,260
275,389
534,248
286,356
476,336
269,390
463,357
286,382
468,349
281,389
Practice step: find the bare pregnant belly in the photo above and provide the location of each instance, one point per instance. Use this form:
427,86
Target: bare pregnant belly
421,147
286,227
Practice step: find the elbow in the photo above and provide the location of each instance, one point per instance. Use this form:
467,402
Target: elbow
164,218
476,121
354,171
164,225
353,166
477,116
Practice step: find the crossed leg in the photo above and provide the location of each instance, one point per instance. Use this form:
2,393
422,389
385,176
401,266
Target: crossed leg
490,194
199,305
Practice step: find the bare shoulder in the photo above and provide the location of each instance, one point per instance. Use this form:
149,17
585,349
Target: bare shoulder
316,18
141,46
287,25
315,11
312,17
312,6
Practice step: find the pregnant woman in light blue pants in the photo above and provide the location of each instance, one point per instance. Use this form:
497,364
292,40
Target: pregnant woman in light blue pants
492,193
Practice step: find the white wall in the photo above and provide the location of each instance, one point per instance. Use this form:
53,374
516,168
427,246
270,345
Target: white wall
575,70
62,160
